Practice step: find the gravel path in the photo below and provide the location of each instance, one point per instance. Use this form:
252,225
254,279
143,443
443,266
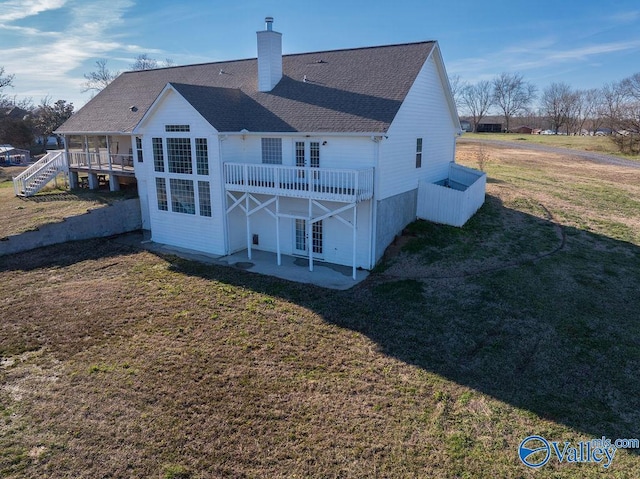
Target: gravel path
586,155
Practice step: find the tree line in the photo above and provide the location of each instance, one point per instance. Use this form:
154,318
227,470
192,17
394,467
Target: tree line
22,123
613,109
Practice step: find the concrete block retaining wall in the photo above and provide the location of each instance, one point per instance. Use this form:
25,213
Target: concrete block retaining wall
120,217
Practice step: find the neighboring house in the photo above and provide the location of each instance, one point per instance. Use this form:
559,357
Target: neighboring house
466,125
14,156
14,113
489,127
527,130
317,154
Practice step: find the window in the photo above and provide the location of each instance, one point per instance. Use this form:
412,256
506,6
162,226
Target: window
182,196
202,156
139,149
179,155
314,154
272,151
299,153
158,154
301,236
316,237
419,153
161,193
204,196
176,128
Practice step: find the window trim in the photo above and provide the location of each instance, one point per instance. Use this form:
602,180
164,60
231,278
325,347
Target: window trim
177,128
271,150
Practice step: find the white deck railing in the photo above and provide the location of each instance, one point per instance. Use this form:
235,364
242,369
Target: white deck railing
300,182
100,161
31,180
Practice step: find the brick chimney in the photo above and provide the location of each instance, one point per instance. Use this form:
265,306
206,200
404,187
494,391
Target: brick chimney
269,57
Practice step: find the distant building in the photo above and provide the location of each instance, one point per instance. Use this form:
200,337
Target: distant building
13,156
523,129
489,128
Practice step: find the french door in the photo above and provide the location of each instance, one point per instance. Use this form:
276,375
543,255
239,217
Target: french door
301,241
307,156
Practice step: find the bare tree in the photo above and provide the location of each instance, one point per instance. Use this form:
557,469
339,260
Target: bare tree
595,115
99,79
512,95
5,81
622,100
558,103
631,86
145,62
478,99
457,85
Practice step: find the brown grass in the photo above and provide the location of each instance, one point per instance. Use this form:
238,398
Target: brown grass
52,205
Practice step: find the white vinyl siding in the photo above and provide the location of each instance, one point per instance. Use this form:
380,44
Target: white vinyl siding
424,114
203,230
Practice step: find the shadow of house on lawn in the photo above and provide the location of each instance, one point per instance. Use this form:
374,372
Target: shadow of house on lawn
557,336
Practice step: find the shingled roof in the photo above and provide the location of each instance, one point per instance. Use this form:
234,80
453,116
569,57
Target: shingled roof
355,90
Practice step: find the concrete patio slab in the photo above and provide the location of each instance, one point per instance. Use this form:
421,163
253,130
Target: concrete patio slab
292,268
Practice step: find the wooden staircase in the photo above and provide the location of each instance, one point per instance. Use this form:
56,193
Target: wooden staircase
34,178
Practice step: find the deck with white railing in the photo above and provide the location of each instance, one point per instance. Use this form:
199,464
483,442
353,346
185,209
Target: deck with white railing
102,162
330,184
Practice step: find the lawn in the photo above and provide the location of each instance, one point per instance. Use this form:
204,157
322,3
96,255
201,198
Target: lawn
51,205
596,144
120,363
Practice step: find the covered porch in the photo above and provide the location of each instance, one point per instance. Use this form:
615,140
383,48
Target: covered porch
99,158
304,195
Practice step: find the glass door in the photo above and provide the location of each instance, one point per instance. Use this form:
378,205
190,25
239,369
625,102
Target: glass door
307,156
301,243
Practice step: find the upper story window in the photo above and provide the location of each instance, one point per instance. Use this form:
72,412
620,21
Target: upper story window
179,155
272,151
176,128
139,149
202,156
419,153
158,154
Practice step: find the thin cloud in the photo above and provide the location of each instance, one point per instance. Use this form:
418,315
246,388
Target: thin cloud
13,10
47,56
623,18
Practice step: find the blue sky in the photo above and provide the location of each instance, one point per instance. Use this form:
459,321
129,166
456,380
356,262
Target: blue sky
50,44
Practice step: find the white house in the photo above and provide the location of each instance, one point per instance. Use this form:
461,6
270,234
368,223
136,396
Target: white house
317,154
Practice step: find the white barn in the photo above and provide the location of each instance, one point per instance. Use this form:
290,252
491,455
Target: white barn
318,154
